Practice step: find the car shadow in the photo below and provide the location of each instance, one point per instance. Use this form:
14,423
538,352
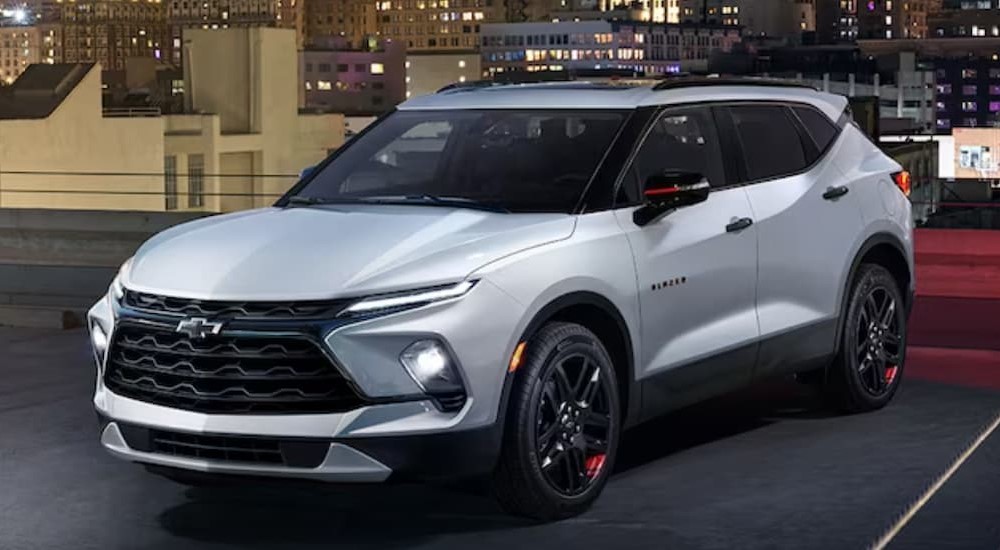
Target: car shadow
402,516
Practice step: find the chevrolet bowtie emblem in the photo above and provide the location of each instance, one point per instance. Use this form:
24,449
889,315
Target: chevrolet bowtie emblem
198,328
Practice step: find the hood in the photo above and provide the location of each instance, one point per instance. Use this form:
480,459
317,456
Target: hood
331,251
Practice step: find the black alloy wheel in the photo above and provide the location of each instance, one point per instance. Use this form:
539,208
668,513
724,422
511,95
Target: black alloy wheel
573,423
878,341
869,366
562,425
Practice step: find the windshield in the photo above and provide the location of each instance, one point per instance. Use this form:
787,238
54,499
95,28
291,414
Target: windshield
511,160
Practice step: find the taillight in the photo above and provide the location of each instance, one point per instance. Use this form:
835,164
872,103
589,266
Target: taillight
902,180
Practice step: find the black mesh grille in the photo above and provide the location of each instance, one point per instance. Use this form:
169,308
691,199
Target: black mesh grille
245,310
226,374
226,448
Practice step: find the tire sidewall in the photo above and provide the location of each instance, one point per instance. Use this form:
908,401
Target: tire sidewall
870,278
540,363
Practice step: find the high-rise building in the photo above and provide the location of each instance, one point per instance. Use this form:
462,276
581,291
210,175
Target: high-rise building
962,18
354,81
20,46
437,25
292,15
636,46
110,31
836,21
219,14
713,12
352,20
895,18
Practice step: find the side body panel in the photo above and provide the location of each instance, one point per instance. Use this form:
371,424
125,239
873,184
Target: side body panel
696,286
806,243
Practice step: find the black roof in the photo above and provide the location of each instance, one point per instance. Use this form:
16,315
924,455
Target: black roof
40,89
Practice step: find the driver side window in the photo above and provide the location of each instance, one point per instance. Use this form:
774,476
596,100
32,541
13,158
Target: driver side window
681,140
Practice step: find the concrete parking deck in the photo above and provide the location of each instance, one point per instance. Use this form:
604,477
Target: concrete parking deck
762,469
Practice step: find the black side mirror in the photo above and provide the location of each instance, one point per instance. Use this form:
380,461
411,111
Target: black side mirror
306,172
670,190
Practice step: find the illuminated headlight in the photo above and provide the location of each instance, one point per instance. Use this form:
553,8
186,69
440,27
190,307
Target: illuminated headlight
391,302
433,368
99,340
117,290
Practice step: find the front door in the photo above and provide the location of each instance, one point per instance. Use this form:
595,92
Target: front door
696,269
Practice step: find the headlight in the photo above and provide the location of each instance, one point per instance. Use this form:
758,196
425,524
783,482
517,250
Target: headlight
99,340
432,367
409,299
117,290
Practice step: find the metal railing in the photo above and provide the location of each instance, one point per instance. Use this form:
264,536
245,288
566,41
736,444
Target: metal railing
124,112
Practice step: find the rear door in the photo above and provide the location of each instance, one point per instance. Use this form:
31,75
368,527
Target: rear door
807,223
696,269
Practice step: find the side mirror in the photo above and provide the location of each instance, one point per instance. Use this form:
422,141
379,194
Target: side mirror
306,172
668,191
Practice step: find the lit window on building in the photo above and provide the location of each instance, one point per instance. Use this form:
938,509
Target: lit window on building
377,68
970,106
943,89
969,90
324,85
969,73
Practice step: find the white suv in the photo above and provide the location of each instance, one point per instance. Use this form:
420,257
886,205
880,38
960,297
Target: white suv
499,280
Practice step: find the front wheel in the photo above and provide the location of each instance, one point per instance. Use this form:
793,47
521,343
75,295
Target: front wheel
562,428
869,367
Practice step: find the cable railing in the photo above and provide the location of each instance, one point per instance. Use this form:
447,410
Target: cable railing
937,203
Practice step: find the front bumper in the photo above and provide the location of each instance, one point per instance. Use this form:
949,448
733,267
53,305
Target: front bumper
399,437
458,454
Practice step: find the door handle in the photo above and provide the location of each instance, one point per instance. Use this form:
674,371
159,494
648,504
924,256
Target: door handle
739,225
834,192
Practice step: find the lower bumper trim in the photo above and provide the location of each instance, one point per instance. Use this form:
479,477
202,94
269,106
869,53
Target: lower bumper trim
341,463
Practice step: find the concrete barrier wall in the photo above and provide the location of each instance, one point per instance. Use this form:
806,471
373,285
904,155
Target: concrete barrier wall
63,260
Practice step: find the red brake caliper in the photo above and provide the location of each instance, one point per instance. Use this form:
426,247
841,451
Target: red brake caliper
890,374
594,465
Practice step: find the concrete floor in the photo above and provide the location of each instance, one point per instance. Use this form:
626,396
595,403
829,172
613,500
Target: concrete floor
763,469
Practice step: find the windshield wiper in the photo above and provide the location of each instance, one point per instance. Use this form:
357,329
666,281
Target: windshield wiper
438,200
298,200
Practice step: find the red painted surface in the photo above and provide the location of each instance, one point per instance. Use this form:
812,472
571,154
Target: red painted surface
954,333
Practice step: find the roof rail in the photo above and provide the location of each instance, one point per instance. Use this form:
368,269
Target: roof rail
469,85
705,81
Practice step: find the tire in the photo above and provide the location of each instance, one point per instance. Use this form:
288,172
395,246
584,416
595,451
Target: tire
869,366
544,456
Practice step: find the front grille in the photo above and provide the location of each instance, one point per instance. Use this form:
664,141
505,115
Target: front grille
226,448
226,374
185,307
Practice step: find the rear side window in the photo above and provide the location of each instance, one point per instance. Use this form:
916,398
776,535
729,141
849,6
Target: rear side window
822,130
772,146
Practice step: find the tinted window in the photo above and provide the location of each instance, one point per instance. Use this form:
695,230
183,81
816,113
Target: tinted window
521,160
771,143
681,140
821,128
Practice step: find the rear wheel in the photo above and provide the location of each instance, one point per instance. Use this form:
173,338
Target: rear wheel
869,367
561,432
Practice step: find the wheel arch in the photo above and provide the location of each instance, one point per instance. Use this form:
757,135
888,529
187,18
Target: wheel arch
599,315
883,249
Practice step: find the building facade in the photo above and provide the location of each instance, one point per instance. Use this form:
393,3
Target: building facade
959,18
437,25
352,20
110,31
427,73
968,93
239,143
648,48
354,82
20,46
218,14
836,21
890,19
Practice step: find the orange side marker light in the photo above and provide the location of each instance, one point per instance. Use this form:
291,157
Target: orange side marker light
515,360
